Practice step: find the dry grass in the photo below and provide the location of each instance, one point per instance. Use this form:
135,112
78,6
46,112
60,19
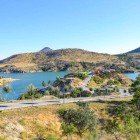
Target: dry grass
28,123
76,82
92,84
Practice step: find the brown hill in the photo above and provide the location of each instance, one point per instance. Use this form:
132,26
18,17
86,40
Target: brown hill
63,59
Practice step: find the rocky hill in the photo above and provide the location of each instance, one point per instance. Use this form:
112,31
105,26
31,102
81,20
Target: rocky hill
63,59
137,50
133,57
46,49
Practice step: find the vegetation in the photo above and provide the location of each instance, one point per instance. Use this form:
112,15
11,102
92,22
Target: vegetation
44,84
63,59
98,80
125,120
76,92
7,89
45,123
32,93
78,121
113,82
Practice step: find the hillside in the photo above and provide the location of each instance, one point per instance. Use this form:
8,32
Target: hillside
46,49
63,59
137,50
38,123
132,58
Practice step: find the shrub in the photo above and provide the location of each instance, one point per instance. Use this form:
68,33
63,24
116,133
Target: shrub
81,75
54,91
84,120
83,104
31,93
97,80
7,89
76,92
44,84
86,94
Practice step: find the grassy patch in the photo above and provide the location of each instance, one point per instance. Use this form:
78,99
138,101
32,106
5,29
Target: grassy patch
43,122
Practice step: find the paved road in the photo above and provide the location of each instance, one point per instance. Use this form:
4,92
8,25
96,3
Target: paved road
85,83
29,103
122,93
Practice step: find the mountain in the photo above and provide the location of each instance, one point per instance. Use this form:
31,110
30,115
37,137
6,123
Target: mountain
132,58
137,50
46,49
59,60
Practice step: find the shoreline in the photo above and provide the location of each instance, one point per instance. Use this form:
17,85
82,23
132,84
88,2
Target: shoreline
4,81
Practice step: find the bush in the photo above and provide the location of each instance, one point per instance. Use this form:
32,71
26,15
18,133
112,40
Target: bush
81,75
7,89
54,91
32,93
113,82
86,94
83,104
76,92
84,120
97,80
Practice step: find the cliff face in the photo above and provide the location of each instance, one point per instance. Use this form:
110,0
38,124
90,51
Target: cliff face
63,59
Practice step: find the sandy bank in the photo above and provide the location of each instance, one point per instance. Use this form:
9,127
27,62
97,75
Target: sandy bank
4,81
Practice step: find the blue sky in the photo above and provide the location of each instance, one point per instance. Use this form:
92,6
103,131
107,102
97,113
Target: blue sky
111,26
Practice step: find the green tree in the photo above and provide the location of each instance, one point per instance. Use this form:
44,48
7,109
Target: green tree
113,128
98,79
68,130
84,120
44,84
5,89
76,92
135,89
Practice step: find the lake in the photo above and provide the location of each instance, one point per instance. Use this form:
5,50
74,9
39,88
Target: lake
132,76
25,79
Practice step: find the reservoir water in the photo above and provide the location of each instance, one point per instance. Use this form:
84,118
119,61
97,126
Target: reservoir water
132,76
25,79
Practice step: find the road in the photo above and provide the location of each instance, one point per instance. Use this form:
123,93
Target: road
41,102
85,82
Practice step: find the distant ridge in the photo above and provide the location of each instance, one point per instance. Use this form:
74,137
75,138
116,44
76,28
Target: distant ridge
46,49
137,50
57,60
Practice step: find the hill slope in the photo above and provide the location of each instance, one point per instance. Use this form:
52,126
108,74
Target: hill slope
53,60
46,49
137,50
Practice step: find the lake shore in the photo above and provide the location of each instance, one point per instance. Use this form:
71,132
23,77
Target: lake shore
4,81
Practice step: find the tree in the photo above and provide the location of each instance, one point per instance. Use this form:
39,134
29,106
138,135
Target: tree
113,127
44,84
135,89
31,91
125,121
76,92
83,104
136,99
5,89
97,79
83,119
68,130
